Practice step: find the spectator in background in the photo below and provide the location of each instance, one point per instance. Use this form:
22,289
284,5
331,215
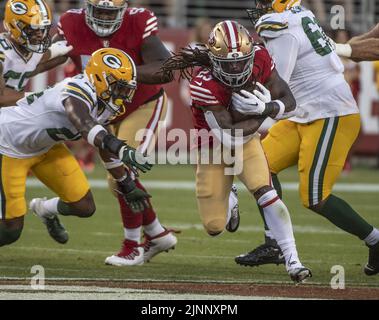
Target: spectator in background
165,9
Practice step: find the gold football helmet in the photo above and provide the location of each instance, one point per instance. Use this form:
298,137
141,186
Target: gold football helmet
29,22
105,17
263,7
114,75
231,51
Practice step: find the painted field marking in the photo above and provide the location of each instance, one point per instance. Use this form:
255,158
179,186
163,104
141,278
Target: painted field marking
190,185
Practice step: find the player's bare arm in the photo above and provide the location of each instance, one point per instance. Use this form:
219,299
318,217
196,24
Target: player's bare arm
154,54
361,48
136,197
99,137
225,121
280,90
54,56
365,50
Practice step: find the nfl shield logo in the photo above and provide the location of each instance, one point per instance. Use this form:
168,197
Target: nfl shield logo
106,43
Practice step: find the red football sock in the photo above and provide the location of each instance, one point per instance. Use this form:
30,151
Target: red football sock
130,219
149,214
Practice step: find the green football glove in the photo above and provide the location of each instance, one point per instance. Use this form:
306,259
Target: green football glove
136,198
133,158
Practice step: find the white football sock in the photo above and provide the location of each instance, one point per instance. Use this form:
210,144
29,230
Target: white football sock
269,234
373,237
279,221
51,206
154,228
133,234
233,201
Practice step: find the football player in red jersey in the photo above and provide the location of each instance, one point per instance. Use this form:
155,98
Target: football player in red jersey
232,65
110,23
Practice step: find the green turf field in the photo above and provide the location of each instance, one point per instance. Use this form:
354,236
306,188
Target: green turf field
197,256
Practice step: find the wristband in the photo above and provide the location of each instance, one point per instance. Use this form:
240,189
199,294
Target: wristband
282,109
344,50
93,133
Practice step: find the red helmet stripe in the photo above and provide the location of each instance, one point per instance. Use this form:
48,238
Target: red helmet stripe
232,34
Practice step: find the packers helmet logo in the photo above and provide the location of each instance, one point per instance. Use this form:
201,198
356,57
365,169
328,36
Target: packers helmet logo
19,8
112,61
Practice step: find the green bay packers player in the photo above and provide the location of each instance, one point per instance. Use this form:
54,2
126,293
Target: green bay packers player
320,137
30,139
25,47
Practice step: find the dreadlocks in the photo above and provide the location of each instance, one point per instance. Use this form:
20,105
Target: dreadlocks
186,61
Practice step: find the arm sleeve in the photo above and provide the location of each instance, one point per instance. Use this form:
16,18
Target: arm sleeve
284,51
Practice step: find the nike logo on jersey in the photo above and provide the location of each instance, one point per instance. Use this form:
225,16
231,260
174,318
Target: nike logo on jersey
199,83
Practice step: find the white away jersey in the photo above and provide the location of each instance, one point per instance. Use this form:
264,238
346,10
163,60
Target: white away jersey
39,121
305,59
16,68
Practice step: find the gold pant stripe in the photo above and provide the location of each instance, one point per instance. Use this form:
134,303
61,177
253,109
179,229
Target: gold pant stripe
319,149
321,159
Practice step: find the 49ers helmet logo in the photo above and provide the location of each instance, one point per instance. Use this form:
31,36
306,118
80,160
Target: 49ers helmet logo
19,8
112,61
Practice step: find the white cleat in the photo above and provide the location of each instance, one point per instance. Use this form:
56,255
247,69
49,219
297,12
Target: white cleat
54,227
300,275
234,221
131,254
163,242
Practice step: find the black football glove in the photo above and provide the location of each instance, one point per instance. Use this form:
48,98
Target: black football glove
136,198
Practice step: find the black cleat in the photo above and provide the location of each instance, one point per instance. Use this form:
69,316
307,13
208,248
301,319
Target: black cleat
54,227
264,254
372,267
56,230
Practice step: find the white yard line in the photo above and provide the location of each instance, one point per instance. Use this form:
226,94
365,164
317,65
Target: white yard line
17,292
190,185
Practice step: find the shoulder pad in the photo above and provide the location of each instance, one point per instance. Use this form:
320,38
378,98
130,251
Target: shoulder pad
272,25
79,87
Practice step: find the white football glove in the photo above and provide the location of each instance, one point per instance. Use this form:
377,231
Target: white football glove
251,103
262,93
59,48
